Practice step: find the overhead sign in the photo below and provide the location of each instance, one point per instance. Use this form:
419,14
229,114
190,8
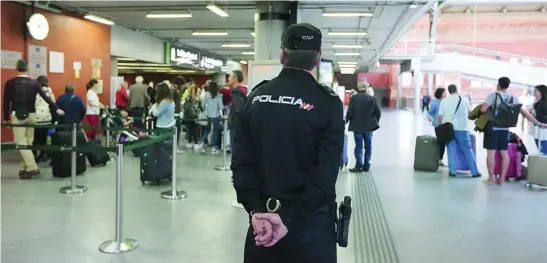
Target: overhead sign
192,58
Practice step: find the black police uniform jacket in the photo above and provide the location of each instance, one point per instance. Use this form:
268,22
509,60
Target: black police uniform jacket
288,144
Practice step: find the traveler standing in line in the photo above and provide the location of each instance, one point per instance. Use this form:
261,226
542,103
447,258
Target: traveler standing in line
425,103
192,109
213,108
122,98
363,116
138,101
455,109
539,110
286,156
164,108
151,92
20,108
238,100
527,102
497,140
433,117
93,111
44,116
178,84
72,105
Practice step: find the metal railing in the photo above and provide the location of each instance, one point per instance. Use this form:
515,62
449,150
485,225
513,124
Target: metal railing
411,48
492,54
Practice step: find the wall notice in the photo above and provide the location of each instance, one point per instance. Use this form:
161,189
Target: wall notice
96,65
56,62
9,58
37,61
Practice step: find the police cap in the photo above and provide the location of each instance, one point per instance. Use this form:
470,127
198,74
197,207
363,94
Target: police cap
302,36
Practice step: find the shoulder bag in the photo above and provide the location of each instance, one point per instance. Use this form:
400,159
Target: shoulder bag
445,131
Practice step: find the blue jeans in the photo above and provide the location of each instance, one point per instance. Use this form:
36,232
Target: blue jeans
463,142
215,123
360,138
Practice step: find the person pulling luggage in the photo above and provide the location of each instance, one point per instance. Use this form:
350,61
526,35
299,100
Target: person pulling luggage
285,160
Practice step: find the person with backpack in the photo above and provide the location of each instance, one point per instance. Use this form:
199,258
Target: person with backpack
192,108
504,110
239,99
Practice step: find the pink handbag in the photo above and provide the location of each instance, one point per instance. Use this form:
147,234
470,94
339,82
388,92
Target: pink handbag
515,166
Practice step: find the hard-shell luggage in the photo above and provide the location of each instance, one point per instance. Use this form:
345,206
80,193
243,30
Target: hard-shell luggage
515,163
156,162
426,154
537,169
96,159
344,158
461,163
61,162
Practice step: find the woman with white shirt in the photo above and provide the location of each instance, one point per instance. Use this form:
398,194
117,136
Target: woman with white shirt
93,110
43,117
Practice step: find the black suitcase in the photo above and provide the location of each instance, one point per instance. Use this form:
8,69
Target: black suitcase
61,162
96,159
156,162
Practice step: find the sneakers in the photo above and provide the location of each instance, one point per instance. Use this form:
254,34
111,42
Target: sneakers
355,170
198,146
180,150
189,146
215,150
26,175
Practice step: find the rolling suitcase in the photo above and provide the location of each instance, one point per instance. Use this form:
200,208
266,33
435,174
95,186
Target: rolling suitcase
96,159
515,163
155,162
461,163
61,162
426,154
344,157
537,167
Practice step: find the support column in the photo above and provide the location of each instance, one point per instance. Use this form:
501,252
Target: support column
398,89
430,83
113,66
418,82
433,19
271,19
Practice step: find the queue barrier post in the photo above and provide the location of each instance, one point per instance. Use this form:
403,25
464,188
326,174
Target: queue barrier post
108,129
174,193
119,244
223,166
73,188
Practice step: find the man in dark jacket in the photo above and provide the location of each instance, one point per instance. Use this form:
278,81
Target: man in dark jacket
239,98
363,116
72,105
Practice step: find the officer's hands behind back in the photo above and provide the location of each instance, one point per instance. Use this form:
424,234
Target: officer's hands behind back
268,229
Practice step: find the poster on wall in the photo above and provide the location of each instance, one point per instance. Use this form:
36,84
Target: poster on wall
37,61
99,86
96,65
10,58
56,62
77,66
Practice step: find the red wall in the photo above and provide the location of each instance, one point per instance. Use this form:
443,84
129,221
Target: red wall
79,40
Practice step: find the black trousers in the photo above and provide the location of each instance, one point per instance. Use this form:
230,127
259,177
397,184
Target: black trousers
442,148
311,239
138,113
40,138
192,129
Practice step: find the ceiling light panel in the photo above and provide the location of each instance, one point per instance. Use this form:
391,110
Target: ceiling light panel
347,14
347,33
347,66
347,63
168,15
99,20
209,33
215,9
236,45
247,53
346,46
347,54
253,34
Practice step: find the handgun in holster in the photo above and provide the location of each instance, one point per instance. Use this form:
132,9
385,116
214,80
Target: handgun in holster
342,222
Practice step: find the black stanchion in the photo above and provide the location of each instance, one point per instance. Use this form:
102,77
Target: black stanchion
119,244
73,188
223,166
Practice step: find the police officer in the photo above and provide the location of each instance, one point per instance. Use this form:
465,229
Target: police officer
286,155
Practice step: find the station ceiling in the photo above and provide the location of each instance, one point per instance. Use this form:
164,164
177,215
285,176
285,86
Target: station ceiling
388,21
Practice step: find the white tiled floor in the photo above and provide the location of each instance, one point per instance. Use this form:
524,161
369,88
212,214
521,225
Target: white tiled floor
432,218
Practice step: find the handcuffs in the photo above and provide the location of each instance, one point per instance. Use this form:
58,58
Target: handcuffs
277,206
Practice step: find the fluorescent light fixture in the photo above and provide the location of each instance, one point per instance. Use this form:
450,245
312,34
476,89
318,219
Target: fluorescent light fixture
247,53
346,46
215,9
347,66
210,33
235,45
253,34
347,54
413,6
354,33
169,15
347,72
347,63
242,62
99,20
347,14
